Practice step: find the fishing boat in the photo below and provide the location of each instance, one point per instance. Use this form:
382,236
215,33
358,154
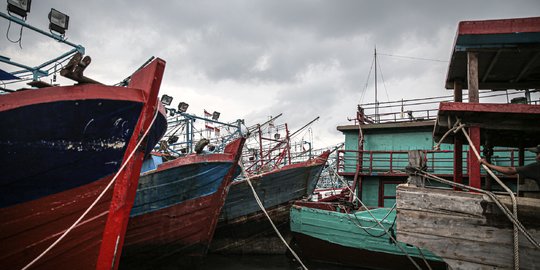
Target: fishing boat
355,227
177,205
473,226
243,227
70,162
374,162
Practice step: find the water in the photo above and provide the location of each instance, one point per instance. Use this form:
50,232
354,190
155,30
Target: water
260,262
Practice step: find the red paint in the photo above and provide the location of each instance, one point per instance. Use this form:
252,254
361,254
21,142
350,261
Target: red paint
314,161
488,107
474,165
504,26
147,79
185,227
27,229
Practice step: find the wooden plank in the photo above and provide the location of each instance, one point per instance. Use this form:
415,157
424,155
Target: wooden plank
466,229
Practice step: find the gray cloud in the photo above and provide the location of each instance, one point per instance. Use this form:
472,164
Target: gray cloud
252,59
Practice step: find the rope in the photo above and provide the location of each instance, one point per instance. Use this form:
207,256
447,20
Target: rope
97,199
492,196
269,219
514,201
384,229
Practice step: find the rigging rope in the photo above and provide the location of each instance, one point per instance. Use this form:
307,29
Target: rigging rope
514,201
492,196
268,216
98,198
382,226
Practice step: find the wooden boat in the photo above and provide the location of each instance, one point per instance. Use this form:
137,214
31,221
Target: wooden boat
61,147
470,230
327,232
178,204
242,222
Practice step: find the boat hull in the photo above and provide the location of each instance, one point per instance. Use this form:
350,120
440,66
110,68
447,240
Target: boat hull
325,235
177,206
61,148
243,227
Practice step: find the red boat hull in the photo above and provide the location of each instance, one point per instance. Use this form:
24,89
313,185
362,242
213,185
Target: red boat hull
29,228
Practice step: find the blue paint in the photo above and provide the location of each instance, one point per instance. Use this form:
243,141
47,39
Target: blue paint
51,147
273,189
507,40
161,189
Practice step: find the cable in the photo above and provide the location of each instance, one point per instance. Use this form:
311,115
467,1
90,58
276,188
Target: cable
20,34
261,206
98,198
414,58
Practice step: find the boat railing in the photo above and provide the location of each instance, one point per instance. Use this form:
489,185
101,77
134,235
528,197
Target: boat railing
393,162
422,109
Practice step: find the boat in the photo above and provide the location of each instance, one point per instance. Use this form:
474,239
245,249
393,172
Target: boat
177,206
472,226
70,160
326,232
344,229
62,146
243,227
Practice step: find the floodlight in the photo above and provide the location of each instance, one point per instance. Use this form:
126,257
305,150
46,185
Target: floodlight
277,136
215,116
59,21
166,100
19,7
182,107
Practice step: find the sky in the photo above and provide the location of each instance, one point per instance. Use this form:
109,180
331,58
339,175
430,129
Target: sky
250,59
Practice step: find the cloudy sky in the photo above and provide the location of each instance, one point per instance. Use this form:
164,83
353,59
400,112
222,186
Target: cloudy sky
253,59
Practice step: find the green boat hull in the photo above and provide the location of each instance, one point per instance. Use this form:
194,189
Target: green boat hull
353,239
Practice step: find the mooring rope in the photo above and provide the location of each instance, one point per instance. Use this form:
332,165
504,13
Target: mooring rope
492,196
261,206
98,198
382,226
514,201
379,224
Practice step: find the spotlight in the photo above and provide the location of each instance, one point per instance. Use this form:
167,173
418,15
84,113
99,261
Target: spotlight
182,107
215,116
59,21
20,7
166,100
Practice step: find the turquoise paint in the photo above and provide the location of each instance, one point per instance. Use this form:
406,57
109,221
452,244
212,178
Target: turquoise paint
370,191
344,229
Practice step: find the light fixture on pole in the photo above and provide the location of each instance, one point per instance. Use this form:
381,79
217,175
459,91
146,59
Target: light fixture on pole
59,21
182,107
19,7
166,100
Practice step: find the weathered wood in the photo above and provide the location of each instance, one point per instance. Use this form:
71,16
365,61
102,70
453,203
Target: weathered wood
466,229
472,82
458,91
416,160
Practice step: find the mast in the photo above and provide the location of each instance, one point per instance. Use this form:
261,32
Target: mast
376,101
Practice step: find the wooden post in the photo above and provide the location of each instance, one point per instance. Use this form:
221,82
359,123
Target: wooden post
458,91
474,132
416,160
472,70
458,144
